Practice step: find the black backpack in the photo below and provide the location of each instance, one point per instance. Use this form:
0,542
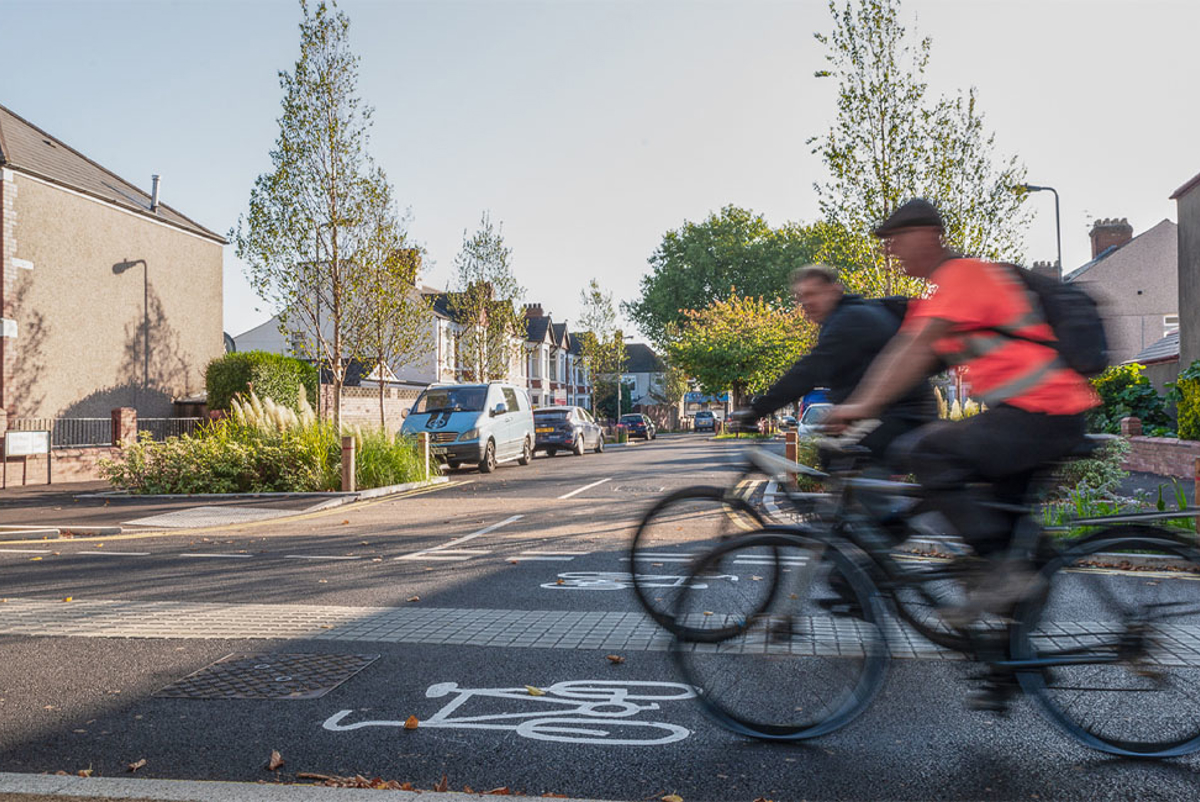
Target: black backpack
1074,316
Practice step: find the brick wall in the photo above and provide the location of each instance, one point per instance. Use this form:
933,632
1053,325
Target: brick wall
360,405
8,271
1166,456
70,465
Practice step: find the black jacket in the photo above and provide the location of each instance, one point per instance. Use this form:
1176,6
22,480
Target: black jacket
850,339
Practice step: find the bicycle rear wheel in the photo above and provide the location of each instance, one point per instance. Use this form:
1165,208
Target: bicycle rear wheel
794,669
671,534
1115,646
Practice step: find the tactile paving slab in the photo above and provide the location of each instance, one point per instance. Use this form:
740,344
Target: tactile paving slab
269,676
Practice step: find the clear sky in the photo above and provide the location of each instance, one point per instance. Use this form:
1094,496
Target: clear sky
591,127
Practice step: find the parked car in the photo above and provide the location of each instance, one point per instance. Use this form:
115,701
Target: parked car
787,422
810,421
705,421
639,426
566,429
484,424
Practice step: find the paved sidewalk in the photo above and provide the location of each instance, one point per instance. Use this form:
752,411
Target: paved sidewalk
59,507
58,788
509,629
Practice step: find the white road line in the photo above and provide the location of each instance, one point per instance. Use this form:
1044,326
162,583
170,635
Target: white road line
320,557
585,487
26,551
688,554
443,557
448,547
220,556
559,553
521,558
471,552
644,559
103,553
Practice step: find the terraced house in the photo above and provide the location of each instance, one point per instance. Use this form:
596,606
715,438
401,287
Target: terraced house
110,298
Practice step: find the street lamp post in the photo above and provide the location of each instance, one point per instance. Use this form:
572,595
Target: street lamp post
1057,225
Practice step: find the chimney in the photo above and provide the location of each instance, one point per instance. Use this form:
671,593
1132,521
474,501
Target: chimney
533,310
1047,269
154,179
1107,233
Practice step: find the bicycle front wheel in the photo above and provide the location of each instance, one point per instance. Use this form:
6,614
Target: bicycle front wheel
799,665
1109,643
671,535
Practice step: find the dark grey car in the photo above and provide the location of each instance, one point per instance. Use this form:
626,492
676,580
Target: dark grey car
566,429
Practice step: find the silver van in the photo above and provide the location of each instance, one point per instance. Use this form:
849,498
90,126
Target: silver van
483,424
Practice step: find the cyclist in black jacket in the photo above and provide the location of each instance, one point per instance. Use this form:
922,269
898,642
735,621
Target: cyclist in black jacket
853,332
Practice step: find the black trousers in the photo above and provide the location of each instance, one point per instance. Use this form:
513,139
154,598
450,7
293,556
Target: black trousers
1003,447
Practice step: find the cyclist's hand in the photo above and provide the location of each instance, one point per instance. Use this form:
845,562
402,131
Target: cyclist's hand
836,420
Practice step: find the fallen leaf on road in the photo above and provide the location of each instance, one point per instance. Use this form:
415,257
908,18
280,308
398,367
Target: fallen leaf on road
756,579
275,761
468,789
322,581
413,598
99,545
411,723
443,786
85,772
345,522
69,598
57,553
326,626
501,791
615,659
793,596
560,582
708,612
510,562
34,559
549,795
672,798
137,765
535,691
364,543
763,799
377,559
405,786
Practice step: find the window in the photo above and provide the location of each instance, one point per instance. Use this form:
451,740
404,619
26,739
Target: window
510,400
1170,324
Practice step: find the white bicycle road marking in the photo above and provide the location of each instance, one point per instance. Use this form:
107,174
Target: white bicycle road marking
585,487
611,580
579,711
447,550
220,556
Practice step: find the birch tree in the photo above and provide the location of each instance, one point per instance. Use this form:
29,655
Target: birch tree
308,219
890,142
395,321
486,303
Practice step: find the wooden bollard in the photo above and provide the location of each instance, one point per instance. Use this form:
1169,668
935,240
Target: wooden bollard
423,444
789,446
347,464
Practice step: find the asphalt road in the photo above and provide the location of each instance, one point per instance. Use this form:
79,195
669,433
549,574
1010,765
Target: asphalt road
453,599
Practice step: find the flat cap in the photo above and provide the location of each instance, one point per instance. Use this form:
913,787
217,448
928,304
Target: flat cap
916,213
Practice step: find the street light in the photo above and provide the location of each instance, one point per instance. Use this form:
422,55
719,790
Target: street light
1057,225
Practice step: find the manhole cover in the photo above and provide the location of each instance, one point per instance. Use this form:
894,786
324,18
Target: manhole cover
637,489
269,676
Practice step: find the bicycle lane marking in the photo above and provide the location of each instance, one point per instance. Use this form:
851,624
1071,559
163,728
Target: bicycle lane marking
579,711
446,551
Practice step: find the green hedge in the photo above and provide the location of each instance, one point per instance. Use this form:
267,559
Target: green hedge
273,376
1186,394
1125,392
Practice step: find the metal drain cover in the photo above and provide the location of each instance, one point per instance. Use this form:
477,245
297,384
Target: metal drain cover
269,676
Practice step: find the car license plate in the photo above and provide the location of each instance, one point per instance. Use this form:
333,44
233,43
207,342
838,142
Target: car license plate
544,429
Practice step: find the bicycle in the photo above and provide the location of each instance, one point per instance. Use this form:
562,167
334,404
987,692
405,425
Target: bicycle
773,660
690,518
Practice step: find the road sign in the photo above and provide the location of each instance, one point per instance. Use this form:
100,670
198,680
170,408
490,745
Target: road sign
26,445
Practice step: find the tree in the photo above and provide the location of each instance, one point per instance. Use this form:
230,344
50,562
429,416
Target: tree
699,263
486,303
395,320
740,343
890,143
601,343
308,220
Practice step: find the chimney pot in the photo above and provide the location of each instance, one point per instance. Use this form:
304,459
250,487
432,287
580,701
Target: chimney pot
154,180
